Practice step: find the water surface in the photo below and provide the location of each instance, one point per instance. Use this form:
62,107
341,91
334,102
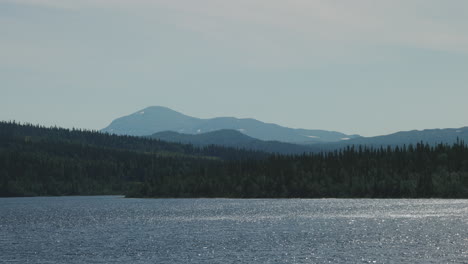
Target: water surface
112,229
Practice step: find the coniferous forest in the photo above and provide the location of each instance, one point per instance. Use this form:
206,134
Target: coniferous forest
36,161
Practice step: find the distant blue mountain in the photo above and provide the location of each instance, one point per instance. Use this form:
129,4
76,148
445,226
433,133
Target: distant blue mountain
158,119
233,138
168,125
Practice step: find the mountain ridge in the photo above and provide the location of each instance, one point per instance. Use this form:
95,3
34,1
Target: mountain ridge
233,138
157,119
254,134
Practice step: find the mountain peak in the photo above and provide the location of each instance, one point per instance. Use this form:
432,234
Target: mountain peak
157,110
150,120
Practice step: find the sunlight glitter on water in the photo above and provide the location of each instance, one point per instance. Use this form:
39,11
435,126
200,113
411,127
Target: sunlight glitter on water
116,230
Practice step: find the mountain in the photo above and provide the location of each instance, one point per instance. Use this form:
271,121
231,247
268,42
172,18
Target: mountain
429,136
158,119
253,134
231,138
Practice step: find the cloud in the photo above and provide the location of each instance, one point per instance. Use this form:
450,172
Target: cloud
295,32
420,24
276,32
43,3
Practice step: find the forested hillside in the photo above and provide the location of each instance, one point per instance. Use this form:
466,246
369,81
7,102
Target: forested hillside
36,160
53,161
419,171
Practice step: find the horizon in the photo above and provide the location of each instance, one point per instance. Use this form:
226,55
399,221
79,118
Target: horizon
101,129
339,66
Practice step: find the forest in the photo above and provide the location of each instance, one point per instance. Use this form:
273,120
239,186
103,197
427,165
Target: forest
41,161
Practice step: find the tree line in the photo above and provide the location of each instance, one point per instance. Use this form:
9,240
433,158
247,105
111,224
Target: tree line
35,160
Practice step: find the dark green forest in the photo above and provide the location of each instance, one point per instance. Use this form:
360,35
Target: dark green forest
37,161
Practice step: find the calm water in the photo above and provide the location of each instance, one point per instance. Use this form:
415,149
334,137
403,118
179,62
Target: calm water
110,229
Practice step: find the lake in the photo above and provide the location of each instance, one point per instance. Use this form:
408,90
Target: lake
112,229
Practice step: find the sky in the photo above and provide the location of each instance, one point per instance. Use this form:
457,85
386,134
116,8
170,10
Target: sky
360,67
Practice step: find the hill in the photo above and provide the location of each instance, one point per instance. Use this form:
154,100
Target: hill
232,138
36,160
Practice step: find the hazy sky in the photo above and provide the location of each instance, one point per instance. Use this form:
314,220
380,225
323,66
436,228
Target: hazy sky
364,66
